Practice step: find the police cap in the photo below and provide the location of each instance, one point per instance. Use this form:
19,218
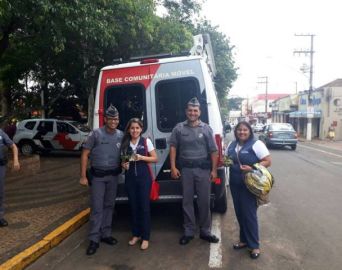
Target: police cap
194,102
111,111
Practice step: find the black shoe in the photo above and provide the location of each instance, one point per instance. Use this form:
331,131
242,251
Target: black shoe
239,245
109,240
93,246
210,238
185,240
3,222
255,255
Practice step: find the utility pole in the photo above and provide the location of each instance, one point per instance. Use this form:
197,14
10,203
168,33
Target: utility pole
310,108
265,81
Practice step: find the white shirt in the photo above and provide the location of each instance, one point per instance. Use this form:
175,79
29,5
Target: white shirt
150,146
259,148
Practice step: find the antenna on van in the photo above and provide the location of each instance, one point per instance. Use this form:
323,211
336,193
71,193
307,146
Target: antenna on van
202,47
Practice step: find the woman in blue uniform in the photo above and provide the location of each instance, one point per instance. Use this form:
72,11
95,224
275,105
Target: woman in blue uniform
138,180
246,151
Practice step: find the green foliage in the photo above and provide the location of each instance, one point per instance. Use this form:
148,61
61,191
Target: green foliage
62,45
225,65
234,104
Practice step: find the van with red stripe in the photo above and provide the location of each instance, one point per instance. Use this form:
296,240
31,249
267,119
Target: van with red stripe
156,90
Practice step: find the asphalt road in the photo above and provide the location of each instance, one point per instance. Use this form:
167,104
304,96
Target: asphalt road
299,229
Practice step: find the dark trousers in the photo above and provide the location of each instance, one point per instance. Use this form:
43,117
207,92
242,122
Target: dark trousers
196,181
245,205
102,196
2,186
138,190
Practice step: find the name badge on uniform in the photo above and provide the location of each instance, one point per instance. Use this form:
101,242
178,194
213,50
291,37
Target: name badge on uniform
200,135
118,145
244,152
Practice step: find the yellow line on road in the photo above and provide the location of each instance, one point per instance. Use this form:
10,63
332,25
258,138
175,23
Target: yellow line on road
29,255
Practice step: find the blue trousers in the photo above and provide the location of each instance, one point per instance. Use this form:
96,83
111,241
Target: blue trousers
2,184
245,205
138,190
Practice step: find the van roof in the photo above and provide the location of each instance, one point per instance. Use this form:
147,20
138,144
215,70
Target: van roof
160,61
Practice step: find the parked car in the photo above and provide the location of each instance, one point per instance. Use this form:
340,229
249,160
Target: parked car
49,135
279,134
258,127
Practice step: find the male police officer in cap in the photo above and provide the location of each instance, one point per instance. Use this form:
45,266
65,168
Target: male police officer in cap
5,141
196,167
103,148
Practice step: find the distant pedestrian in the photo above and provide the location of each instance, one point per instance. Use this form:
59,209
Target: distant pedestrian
193,142
331,133
5,141
138,180
103,148
244,152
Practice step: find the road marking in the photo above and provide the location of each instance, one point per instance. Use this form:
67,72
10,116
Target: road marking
215,258
322,151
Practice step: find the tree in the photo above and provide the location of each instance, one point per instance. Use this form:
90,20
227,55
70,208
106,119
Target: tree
225,64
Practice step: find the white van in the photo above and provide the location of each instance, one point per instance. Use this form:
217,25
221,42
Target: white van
156,89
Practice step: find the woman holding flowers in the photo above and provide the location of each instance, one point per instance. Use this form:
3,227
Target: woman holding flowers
137,152
243,153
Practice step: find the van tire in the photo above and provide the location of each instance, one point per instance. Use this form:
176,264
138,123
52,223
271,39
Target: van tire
27,147
293,147
221,204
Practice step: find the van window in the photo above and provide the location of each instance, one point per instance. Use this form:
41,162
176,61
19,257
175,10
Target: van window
172,97
130,101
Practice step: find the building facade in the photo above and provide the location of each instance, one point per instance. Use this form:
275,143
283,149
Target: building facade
325,112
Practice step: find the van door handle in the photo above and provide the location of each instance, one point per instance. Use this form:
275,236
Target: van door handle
161,143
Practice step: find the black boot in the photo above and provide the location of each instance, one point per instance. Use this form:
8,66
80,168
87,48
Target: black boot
3,222
93,246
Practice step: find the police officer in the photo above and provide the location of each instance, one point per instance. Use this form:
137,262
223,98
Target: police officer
196,167
5,141
103,148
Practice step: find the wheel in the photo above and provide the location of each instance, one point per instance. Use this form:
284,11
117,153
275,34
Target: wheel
27,148
220,205
293,147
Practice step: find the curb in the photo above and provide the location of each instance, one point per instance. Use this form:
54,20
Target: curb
29,255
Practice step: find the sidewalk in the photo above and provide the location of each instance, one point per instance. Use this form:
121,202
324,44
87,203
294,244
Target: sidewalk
335,145
39,200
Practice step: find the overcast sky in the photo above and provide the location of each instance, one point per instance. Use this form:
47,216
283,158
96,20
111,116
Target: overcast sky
263,33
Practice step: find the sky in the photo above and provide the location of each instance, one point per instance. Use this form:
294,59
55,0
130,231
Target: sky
263,35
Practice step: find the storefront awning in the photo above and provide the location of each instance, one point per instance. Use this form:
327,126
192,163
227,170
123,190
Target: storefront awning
305,114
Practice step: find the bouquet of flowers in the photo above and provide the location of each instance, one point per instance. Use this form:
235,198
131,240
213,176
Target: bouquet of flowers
227,161
128,155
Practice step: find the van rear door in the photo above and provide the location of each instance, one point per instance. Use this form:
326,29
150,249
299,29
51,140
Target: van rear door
173,85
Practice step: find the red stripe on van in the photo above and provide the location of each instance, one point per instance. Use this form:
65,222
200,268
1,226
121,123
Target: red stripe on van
131,75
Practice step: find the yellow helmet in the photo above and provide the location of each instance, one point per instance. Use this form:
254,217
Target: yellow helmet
259,181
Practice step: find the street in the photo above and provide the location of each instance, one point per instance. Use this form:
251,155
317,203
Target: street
299,229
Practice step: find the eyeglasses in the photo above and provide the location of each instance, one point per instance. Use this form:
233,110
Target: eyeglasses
112,119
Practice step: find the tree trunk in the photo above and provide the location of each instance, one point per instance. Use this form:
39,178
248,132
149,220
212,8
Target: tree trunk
4,101
91,104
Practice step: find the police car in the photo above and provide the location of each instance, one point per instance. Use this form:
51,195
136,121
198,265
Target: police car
47,135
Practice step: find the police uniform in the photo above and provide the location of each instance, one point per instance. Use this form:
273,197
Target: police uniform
194,146
105,166
5,141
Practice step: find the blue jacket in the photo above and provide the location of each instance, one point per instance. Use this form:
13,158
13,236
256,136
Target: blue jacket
247,156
